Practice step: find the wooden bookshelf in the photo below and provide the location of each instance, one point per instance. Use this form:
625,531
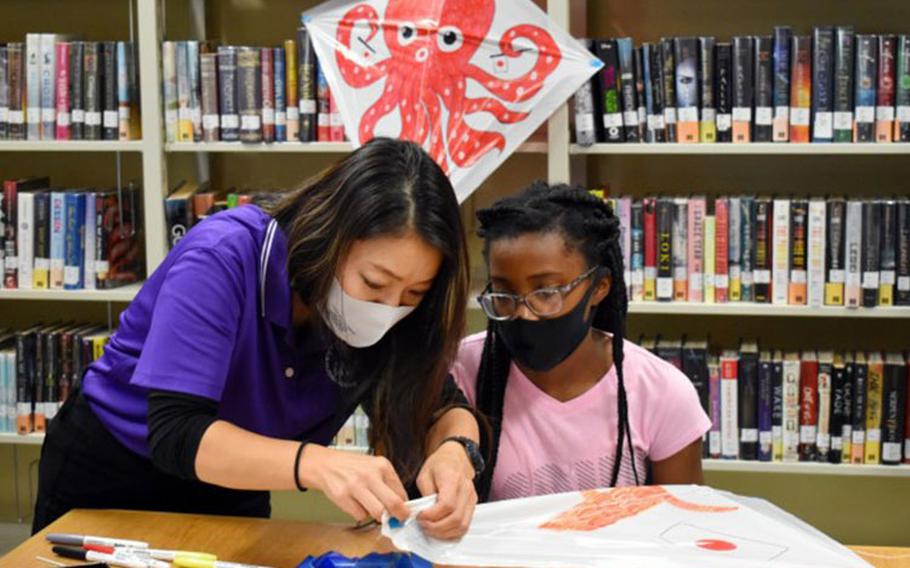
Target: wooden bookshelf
809,468
71,146
299,147
755,148
122,294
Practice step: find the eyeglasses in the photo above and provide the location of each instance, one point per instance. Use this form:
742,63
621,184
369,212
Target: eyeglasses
543,302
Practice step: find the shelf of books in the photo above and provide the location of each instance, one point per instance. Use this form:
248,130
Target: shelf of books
754,309
755,148
806,468
301,147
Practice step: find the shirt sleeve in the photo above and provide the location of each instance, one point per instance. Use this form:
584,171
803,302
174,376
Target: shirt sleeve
193,327
464,370
678,418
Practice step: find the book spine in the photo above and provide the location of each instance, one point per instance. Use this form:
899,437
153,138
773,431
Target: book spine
195,90
336,124
874,409
77,89
839,416
696,253
48,69
665,213
62,80
710,243
10,207
764,89
747,411
607,51
624,209
834,252
723,91
629,95
747,240
33,85
686,54
777,410
306,80
902,296
74,239
656,125
800,89
290,84
743,89
227,90
907,417
267,85
90,247
281,112
638,251
208,71
888,254
24,363
668,83
585,133
4,94
92,90
649,204
110,108
894,399
707,125
843,84
902,91
714,394
680,246
41,270
780,250
871,247
782,42
823,434
816,252
324,106
823,84
866,74
15,76
799,213
858,436
765,413
721,250
808,409
102,234
761,275
734,248
58,216
25,239
640,92
184,110
729,406
695,366
853,249
169,89
884,99
249,94
124,90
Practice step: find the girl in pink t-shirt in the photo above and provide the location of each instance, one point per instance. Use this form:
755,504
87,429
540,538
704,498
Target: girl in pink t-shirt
572,404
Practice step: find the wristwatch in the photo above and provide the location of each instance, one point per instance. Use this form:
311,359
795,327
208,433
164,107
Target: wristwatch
470,446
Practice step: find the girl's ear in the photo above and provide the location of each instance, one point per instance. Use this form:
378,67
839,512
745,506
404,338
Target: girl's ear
602,290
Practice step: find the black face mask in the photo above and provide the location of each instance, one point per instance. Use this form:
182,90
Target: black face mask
542,344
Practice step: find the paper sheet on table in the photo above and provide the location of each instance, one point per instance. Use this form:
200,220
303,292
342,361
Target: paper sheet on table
681,526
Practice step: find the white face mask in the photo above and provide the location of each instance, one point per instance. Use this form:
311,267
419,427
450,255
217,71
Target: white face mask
357,322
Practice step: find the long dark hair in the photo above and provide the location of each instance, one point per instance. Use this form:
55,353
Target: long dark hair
386,187
589,226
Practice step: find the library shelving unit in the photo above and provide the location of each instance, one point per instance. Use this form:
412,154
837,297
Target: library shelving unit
565,161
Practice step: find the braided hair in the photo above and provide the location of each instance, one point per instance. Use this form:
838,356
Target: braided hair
589,226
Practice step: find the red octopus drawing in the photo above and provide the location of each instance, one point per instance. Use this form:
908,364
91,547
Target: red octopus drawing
431,43
601,509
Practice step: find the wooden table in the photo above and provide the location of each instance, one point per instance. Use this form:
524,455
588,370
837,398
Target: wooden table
273,543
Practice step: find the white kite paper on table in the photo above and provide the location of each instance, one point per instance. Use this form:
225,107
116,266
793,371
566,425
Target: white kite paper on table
681,526
469,80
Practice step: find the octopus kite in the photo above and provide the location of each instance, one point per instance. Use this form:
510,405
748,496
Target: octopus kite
431,43
600,509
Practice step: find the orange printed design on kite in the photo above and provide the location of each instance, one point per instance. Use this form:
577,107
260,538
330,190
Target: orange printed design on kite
600,509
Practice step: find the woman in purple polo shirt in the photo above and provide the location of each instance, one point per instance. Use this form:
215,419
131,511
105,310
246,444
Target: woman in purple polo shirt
256,339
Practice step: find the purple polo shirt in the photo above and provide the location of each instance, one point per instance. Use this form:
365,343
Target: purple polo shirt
214,320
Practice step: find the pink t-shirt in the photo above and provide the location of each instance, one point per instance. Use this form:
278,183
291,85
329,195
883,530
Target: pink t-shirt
548,446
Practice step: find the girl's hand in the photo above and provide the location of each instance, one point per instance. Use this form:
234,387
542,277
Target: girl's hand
361,486
448,473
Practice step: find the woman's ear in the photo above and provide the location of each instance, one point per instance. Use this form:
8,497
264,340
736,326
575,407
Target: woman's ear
602,290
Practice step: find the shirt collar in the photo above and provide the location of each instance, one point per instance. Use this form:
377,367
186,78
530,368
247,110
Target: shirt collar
274,284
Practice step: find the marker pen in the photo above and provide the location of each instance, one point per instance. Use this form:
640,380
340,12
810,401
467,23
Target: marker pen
142,554
81,540
122,560
152,553
198,563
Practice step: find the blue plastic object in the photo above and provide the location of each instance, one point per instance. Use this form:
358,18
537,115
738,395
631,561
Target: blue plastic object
392,560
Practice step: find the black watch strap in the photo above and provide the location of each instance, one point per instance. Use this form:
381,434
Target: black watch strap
473,451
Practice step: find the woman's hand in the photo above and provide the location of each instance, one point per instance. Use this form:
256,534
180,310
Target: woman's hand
361,486
448,473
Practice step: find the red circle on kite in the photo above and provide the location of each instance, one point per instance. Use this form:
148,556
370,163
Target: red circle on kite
715,545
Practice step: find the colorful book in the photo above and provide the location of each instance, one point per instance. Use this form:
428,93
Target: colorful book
680,246
15,53
668,73
291,90
585,122
33,85
228,110
306,82
170,89
884,94
871,249
894,401
799,220
815,259
77,87
74,240
888,254
184,110
249,94
279,93
874,393
649,206
695,366
723,91
696,255
747,400
844,54
800,89
743,88
823,84
110,125
611,98
729,404
825,377
714,393
808,405
211,117
655,130
762,252
686,54
865,77
747,239
665,214
41,247
721,250
777,406
710,258
834,251
58,232
780,250
124,90
902,90
637,237
765,405
782,42
764,89
853,249
902,294
628,90
267,90
791,411
860,391
707,127
62,89
734,248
